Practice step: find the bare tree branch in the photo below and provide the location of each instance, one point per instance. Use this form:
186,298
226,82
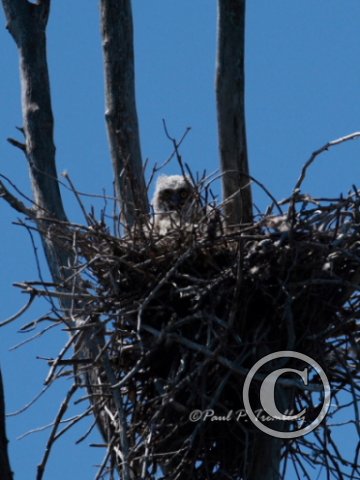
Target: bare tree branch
5,469
230,86
63,408
27,24
19,313
17,144
316,153
121,116
14,202
352,286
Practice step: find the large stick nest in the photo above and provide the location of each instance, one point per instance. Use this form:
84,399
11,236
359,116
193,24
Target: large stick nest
185,316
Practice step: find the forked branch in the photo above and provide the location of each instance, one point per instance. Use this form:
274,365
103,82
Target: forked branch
27,24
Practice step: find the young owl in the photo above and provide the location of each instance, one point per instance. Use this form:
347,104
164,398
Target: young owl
175,203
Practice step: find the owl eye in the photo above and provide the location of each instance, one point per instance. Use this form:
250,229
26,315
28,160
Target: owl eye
184,193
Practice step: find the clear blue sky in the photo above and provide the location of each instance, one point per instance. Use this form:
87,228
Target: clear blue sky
302,89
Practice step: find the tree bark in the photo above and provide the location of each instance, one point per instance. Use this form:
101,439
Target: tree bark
264,460
27,24
264,450
230,89
121,115
5,469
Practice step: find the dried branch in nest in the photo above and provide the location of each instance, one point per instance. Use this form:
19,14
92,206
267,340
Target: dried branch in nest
185,316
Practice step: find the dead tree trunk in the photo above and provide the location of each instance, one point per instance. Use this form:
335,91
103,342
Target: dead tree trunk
121,116
230,93
230,88
27,24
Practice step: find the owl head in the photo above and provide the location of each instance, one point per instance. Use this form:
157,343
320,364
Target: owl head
173,193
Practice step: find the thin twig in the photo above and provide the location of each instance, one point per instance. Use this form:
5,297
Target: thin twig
63,408
19,313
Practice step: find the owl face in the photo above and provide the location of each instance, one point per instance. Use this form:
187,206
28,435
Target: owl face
172,193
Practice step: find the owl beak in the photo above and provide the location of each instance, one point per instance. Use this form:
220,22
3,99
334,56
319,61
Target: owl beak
175,201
